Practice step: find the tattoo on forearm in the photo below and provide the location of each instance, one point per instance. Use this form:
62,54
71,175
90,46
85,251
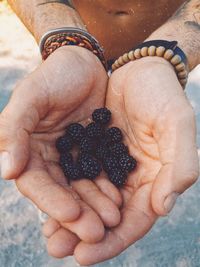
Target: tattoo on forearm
190,12
65,2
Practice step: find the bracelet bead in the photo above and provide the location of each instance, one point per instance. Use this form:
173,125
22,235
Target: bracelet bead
183,81
121,61
115,65
168,54
137,53
152,51
131,55
181,66
182,74
125,58
144,51
176,60
160,51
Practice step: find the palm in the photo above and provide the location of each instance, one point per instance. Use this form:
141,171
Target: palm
138,136
55,103
146,108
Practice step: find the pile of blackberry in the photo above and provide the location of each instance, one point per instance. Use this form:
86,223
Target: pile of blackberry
99,148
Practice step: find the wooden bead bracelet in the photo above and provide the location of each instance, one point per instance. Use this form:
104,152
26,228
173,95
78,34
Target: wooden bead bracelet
160,48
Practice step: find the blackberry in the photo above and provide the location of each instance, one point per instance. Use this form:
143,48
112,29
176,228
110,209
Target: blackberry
101,115
94,130
114,135
87,145
64,143
118,177
127,163
89,166
72,172
66,158
110,164
118,149
101,150
76,131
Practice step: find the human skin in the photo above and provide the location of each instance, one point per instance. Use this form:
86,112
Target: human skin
46,107
148,94
161,138
148,200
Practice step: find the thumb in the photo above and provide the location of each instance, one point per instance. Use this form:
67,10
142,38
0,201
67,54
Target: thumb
17,121
180,164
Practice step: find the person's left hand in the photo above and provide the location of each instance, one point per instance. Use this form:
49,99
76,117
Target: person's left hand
149,105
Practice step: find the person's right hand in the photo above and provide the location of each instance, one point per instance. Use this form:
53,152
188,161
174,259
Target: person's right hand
149,106
66,88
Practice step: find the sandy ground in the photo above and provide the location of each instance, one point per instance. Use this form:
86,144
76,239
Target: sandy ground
173,242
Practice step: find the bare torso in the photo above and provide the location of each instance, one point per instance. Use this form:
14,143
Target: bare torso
119,25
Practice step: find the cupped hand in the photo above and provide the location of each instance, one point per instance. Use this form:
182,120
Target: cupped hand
66,88
149,105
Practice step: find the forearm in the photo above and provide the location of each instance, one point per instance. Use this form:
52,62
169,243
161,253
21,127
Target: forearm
39,16
184,27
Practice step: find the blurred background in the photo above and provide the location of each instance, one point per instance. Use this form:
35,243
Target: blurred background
174,240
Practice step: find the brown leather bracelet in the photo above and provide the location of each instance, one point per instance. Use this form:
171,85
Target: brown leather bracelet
56,38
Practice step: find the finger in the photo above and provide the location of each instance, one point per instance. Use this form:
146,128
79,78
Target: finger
88,227
50,227
62,243
109,189
91,195
137,219
17,122
49,196
99,202
178,153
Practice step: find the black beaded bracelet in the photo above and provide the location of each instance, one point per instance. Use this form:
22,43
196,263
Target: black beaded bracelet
160,48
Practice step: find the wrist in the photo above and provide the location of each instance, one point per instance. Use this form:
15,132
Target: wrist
61,16
169,51
150,63
186,39
69,36
83,57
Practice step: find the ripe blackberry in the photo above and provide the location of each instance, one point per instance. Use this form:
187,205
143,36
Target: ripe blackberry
114,135
118,177
72,172
89,166
87,145
101,115
110,164
101,150
118,149
127,163
66,158
94,130
64,143
76,131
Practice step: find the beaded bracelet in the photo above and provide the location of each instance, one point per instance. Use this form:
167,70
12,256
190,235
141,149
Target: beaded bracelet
56,38
160,48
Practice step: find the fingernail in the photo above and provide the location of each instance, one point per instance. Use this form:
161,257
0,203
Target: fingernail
5,164
170,201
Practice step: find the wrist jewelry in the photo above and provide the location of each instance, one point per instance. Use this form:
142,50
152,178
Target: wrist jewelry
160,48
54,39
